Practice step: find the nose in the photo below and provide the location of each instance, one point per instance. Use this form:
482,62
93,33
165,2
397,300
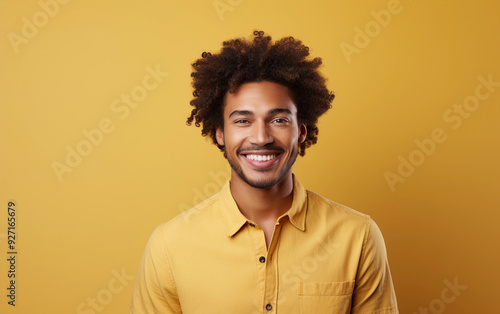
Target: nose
261,134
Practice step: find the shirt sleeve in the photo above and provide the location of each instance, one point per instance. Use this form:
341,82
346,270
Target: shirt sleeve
154,289
374,291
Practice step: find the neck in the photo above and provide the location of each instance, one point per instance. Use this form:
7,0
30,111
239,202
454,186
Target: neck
262,205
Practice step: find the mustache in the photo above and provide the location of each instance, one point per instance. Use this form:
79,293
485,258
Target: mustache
261,148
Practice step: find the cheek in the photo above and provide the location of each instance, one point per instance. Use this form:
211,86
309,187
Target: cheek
234,139
291,138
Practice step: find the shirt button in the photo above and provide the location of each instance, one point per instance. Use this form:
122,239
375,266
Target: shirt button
269,307
262,259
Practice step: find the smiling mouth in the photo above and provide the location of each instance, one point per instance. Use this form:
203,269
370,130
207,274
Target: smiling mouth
261,157
262,162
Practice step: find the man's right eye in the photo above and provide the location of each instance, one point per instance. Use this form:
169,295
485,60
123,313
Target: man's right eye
240,121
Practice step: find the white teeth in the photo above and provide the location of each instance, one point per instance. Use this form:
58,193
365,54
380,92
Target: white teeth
261,157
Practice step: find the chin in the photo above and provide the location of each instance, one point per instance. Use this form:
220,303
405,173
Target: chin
263,183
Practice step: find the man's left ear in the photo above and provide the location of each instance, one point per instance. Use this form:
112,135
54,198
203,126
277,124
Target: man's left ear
302,132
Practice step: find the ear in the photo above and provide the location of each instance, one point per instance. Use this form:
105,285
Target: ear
219,135
302,132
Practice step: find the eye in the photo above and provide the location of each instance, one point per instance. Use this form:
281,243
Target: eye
241,121
281,121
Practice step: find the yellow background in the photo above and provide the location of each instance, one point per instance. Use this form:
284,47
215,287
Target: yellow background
75,234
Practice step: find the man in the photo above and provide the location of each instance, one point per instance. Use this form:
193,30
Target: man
263,244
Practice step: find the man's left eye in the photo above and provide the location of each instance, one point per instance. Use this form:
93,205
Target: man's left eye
281,120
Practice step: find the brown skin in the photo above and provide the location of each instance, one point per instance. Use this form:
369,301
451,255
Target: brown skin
261,119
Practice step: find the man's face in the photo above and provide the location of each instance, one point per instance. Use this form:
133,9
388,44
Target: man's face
261,133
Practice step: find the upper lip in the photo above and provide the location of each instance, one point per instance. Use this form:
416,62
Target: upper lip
261,152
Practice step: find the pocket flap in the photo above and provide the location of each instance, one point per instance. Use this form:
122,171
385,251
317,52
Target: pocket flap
325,288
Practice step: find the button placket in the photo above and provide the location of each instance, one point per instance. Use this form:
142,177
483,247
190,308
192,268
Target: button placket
271,292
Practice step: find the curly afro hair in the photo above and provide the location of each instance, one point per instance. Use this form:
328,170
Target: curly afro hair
243,61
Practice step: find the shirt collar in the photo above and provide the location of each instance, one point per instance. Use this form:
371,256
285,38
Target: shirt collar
233,219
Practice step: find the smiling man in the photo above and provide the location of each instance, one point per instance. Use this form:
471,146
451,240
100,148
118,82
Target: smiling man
263,244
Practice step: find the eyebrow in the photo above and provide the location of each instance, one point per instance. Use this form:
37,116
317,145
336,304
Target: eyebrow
250,113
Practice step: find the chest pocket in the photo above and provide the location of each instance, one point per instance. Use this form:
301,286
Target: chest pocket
325,297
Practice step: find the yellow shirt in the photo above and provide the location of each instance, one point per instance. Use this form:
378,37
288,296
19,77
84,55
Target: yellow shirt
323,258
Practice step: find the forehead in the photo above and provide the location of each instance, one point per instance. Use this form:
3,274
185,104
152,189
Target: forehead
259,97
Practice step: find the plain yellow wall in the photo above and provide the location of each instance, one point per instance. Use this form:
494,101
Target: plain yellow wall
412,139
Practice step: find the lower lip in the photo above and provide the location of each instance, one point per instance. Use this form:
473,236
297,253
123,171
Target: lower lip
262,164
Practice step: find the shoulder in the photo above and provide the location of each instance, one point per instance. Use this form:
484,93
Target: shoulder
202,216
324,208
341,219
